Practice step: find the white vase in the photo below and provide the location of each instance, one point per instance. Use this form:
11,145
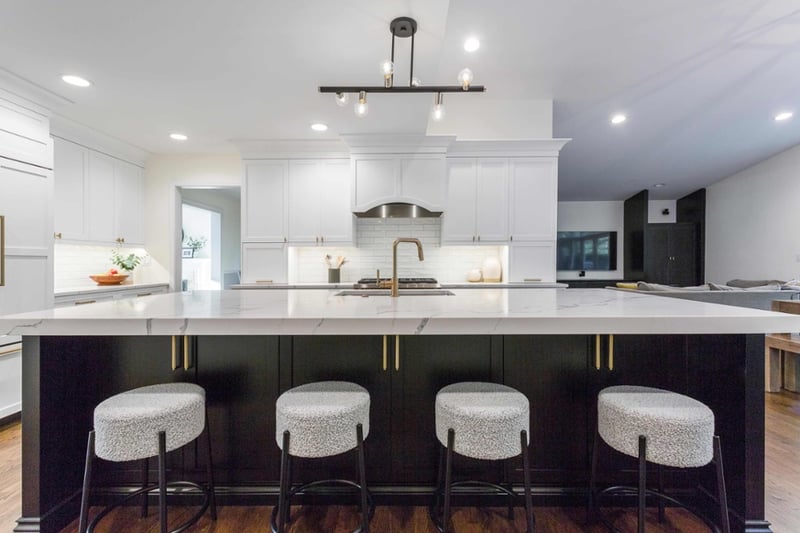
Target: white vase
492,270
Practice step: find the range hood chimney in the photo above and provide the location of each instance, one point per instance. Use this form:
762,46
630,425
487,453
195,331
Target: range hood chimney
398,210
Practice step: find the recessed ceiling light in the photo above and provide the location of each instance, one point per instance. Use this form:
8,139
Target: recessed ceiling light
618,118
472,44
178,136
659,185
319,126
77,81
785,115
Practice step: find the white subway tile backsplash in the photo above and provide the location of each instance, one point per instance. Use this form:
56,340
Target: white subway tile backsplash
374,238
73,263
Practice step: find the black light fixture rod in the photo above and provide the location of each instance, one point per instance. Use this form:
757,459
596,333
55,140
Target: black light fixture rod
411,73
392,77
420,89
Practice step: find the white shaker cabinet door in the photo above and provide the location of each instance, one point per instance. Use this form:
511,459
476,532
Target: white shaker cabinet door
458,220
336,220
533,199
264,262
491,206
128,203
265,197
532,261
101,198
304,197
71,194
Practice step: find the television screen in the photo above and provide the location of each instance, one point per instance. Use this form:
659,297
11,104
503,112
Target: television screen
586,250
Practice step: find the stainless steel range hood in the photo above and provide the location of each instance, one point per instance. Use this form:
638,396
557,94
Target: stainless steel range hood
398,210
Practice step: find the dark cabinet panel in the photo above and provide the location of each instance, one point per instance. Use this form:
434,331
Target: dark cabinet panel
240,377
671,254
552,371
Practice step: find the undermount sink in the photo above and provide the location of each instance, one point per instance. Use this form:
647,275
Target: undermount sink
388,292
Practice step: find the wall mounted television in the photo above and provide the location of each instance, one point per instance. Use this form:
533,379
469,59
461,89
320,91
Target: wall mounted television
586,250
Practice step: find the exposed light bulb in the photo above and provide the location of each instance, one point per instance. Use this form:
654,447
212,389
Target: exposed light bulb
437,113
387,67
416,82
472,44
465,78
361,107
342,99
618,119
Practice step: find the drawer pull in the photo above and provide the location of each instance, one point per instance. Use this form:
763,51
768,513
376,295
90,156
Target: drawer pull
385,353
597,352
139,295
84,302
611,352
8,350
397,352
187,356
174,353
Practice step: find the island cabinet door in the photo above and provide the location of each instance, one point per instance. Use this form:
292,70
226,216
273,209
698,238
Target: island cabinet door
358,359
241,379
421,367
659,361
551,370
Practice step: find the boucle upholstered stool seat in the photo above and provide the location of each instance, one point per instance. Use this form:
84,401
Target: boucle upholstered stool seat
483,421
318,420
148,422
664,428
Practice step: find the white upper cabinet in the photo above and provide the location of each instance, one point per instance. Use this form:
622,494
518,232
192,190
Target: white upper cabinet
319,202
533,199
24,132
264,201
414,179
98,198
477,202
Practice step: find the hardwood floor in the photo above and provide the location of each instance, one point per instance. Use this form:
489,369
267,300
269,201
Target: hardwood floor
782,498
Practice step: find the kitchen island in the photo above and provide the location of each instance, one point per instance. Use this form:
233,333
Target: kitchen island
559,347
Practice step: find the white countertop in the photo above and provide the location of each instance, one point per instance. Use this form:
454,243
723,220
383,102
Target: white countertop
94,289
445,285
318,312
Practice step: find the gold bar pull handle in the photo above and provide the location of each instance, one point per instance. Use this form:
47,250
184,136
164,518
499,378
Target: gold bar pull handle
187,353
385,353
597,352
174,353
397,352
611,352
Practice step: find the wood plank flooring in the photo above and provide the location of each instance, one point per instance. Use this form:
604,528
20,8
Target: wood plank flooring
782,499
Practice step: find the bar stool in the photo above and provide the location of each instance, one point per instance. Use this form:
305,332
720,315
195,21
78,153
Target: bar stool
483,421
149,422
317,420
664,428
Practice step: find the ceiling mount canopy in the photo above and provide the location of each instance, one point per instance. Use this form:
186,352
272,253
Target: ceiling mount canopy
403,27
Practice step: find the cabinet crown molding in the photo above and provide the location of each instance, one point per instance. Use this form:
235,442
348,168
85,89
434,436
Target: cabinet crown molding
507,148
397,143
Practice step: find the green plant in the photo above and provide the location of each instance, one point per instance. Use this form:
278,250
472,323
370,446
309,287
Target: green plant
125,262
195,243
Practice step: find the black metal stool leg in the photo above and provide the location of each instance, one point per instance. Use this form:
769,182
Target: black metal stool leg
448,480
87,483
283,495
287,511
145,481
591,510
210,474
526,476
362,479
162,480
722,494
642,480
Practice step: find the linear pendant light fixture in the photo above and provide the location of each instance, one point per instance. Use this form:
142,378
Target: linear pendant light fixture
403,27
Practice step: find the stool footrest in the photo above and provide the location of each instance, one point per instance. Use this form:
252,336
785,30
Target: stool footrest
314,486
436,515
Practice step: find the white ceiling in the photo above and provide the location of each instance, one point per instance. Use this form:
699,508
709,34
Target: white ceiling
700,80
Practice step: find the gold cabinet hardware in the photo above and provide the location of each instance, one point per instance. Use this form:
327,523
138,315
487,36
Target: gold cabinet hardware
385,353
611,352
397,352
57,235
84,302
174,353
187,356
322,239
143,294
8,350
597,352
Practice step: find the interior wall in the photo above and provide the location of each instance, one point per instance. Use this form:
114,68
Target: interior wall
230,208
163,173
752,221
655,211
483,118
593,216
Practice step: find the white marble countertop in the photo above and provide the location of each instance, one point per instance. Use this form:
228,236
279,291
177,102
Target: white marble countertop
94,289
318,312
444,284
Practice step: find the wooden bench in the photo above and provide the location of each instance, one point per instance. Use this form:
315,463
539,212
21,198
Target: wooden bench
776,348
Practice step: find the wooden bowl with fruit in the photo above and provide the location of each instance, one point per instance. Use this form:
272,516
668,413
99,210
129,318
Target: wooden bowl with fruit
112,277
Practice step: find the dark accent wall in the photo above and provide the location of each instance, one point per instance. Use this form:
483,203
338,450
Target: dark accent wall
692,208
634,223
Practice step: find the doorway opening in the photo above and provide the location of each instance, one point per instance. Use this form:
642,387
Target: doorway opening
209,238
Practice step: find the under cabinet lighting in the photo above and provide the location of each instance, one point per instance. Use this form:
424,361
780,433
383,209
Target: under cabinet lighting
77,81
178,136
